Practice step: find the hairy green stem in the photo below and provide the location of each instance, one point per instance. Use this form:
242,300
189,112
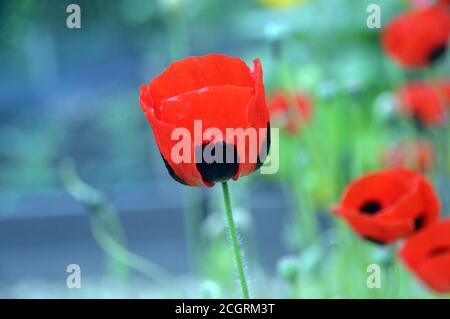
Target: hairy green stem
234,241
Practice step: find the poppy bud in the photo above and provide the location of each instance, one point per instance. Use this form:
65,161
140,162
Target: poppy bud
427,254
213,103
288,268
388,205
419,37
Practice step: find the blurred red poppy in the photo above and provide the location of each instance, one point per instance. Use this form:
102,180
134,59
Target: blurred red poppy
418,37
289,110
418,154
446,91
222,92
427,254
388,205
422,101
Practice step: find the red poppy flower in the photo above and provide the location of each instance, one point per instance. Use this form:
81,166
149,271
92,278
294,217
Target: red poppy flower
414,154
223,93
388,205
427,254
419,37
423,101
289,110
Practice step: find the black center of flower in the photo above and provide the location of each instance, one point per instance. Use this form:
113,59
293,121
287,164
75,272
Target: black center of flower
375,241
419,222
370,207
439,251
437,53
219,161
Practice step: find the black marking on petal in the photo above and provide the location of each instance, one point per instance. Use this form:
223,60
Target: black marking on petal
439,251
438,53
419,222
375,241
172,172
265,146
371,207
218,170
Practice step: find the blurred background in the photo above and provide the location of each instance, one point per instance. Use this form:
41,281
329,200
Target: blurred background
69,109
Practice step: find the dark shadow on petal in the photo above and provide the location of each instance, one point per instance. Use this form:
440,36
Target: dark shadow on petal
439,251
265,146
172,172
219,170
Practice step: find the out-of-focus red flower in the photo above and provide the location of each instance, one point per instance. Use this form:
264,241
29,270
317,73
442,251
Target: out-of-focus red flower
427,254
418,37
388,205
422,101
289,110
446,91
222,92
418,154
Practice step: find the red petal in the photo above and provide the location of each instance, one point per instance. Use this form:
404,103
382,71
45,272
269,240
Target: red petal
436,273
418,247
163,132
417,253
217,107
198,72
385,187
373,228
257,115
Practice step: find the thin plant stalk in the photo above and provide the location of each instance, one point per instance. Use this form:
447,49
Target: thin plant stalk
120,253
96,203
392,273
106,227
234,242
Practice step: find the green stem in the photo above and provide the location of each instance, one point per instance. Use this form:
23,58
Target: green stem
234,241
